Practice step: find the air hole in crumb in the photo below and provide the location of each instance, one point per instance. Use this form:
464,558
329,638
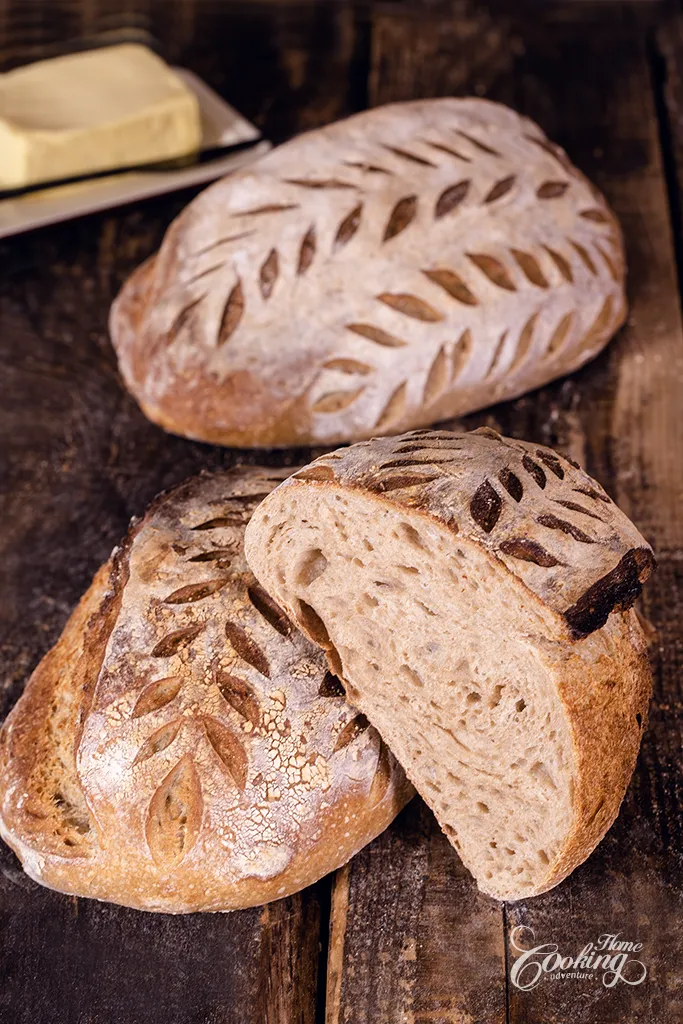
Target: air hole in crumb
542,775
340,530
482,808
312,565
367,545
473,697
520,705
496,696
410,675
410,569
493,844
509,851
410,535
639,719
543,857
358,561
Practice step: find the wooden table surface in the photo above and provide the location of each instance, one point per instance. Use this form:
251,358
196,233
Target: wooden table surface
401,935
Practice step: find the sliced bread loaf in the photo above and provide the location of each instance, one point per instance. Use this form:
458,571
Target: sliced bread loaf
183,746
474,593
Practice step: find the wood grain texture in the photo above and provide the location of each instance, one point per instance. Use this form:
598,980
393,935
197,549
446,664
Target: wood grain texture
411,938
69,960
585,76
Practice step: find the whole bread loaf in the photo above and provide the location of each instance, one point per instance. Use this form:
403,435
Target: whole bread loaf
183,746
411,263
475,593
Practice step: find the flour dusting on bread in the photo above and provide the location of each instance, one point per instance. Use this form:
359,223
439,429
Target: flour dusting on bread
412,263
182,747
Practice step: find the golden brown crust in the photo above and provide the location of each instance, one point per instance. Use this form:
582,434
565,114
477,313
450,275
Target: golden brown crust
606,685
441,256
179,749
493,492
33,811
541,515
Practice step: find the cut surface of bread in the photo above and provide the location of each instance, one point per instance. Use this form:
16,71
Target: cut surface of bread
446,577
183,747
408,264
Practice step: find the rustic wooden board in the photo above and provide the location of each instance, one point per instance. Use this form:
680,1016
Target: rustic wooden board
586,77
411,940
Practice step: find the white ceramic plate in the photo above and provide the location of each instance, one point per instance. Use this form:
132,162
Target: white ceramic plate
222,126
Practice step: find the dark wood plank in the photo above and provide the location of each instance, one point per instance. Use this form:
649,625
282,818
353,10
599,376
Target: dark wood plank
582,71
70,961
411,938
79,459
669,68
633,419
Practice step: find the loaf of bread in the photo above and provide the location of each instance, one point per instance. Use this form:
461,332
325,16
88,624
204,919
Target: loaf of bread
475,593
183,747
412,263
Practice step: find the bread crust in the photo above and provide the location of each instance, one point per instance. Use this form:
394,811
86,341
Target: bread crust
182,747
442,256
491,491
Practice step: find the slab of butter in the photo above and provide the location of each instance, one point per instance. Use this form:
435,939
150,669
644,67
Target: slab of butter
113,107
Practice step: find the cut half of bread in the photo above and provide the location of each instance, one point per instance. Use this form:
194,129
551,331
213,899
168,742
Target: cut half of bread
474,593
183,747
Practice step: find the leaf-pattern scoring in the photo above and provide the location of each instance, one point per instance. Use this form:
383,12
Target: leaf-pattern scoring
370,244
195,592
175,815
240,695
247,648
269,609
158,741
215,677
175,640
157,695
402,215
229,749
506,496
350,732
